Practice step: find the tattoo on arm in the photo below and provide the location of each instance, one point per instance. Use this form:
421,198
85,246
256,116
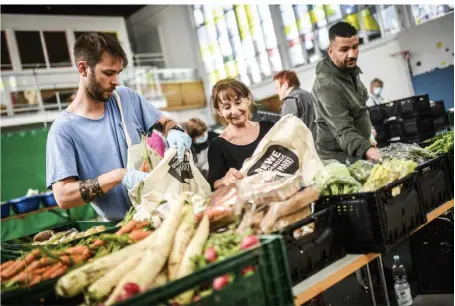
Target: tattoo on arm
90,189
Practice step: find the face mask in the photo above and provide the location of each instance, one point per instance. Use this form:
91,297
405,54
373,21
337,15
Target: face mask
202,139
377,91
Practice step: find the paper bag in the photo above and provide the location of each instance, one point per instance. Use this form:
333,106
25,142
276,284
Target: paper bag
288,148
168,179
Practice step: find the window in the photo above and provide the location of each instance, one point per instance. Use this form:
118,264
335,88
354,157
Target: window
78,34
6,60
425,12
30,49
57,49
306,27
237,41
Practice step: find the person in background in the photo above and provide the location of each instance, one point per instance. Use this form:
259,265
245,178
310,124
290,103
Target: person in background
375,96
231,100
91,143
156,142
197,130
295,100
342,117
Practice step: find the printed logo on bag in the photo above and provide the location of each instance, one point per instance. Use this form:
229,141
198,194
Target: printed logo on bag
181,171
276,158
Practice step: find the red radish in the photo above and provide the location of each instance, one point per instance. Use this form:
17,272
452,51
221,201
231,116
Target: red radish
220,282
210,254
248,270
249,242
196,298
132,288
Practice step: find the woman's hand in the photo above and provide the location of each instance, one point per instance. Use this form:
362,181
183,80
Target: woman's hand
232,176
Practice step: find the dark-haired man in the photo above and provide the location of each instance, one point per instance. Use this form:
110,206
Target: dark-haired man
295,100
342,117
98,136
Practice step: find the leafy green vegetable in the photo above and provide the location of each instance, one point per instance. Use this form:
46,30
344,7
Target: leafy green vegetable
442,143
388,172
361,170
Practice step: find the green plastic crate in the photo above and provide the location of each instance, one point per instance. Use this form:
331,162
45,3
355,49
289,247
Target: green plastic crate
270,285
15,248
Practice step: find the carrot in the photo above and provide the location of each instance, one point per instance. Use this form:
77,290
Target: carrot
138,235
97,243
13,269
40,270
21,277
141,225
76,250
51,270
127,228
6,264
36,279
32,256
33,265
59,271
45,261
65,259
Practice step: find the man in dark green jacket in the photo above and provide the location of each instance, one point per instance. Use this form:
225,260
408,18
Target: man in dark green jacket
342,117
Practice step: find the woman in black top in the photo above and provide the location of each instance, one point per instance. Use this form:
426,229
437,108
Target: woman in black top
231,100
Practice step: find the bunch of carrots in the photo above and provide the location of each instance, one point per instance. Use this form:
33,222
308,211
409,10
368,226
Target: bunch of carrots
42,264
136,230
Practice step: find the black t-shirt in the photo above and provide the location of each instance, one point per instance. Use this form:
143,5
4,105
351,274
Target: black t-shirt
224,155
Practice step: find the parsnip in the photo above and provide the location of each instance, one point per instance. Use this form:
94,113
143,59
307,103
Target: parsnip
154,257
103,286
195,248
160,280
183,236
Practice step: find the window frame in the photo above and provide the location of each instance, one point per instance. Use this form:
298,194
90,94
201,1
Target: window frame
11,68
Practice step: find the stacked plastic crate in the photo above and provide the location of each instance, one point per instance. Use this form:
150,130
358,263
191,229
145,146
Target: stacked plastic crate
407,120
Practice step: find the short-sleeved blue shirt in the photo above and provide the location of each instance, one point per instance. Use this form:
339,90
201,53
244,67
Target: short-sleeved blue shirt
85,148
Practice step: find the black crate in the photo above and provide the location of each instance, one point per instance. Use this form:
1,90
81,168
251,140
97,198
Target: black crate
390,109
441,123
433,183
432,256
315,251
413,106
376,221
376,114
426,127
394,127
382,134
407,107
438,109
410,126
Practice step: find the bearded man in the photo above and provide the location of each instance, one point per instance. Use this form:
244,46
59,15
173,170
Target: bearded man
92,144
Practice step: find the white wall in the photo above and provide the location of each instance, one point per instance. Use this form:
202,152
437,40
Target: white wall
177,36
422,42
375,62
11,22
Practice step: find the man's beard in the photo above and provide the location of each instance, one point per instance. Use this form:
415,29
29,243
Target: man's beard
95,90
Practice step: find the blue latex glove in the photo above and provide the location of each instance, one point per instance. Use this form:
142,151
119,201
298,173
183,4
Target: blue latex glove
180,140
132,177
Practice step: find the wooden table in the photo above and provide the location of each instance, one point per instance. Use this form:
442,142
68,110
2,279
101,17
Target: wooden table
347,265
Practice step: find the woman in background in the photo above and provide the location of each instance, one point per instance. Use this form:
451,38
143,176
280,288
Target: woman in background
231,100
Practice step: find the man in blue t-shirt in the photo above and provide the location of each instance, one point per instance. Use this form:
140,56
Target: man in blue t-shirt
88,147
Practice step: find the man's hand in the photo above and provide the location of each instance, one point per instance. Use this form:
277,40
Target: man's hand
373,154
180,140
232,176
132,177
